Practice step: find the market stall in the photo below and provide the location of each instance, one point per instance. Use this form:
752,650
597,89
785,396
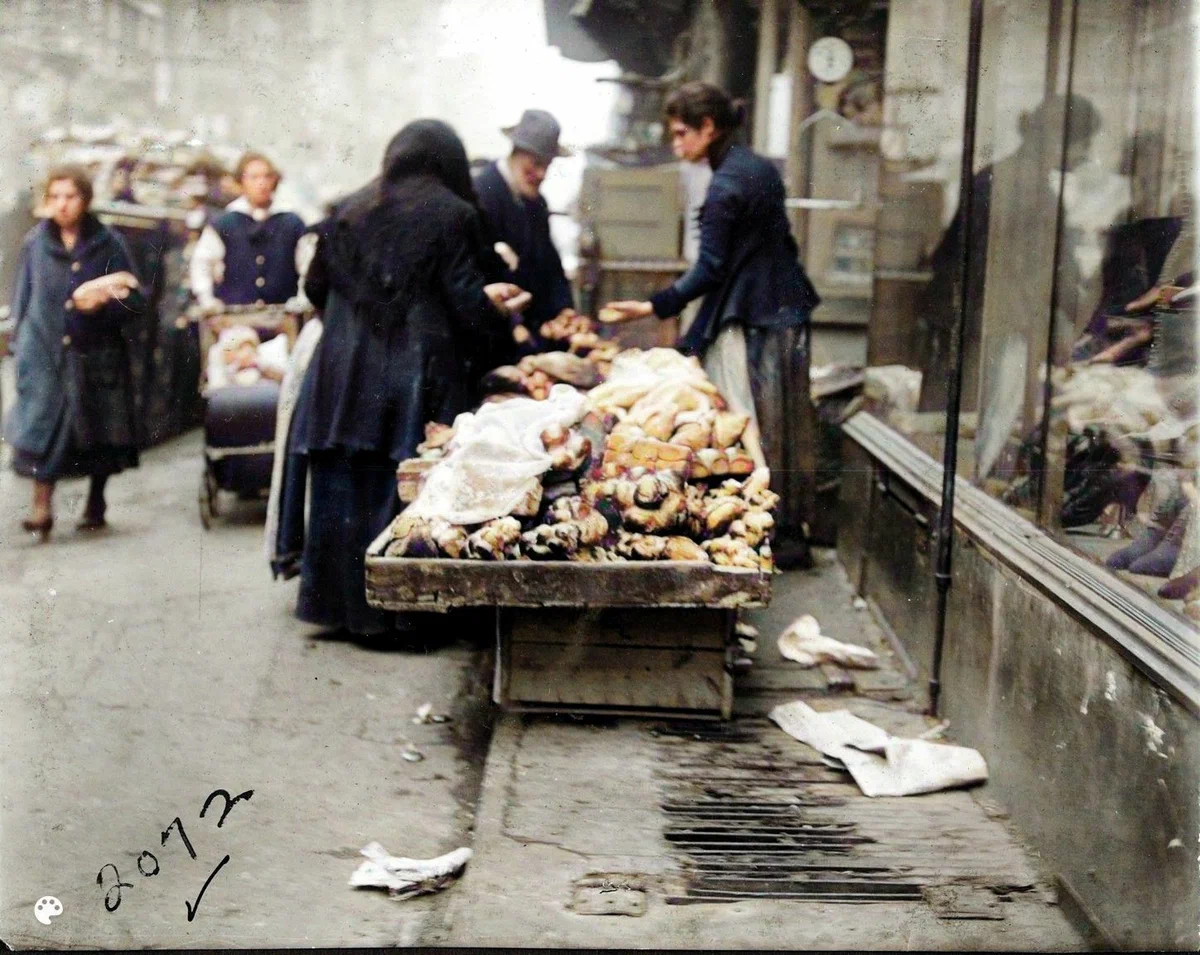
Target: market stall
606,503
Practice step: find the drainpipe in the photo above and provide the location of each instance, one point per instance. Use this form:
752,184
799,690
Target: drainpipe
945,529
768,53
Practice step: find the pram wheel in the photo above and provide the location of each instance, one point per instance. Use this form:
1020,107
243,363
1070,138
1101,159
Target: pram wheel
208,497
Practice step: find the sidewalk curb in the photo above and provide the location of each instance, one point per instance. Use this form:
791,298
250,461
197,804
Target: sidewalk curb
489,819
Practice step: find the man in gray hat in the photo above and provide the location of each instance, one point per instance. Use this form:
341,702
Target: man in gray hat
519,219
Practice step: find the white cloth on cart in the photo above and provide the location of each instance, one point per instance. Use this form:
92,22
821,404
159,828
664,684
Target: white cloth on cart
638,370
495,458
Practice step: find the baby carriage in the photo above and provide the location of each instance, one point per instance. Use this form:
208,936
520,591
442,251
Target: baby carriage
244,350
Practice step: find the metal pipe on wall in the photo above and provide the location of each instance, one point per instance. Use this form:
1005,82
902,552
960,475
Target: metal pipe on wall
800,38
945,529
768,55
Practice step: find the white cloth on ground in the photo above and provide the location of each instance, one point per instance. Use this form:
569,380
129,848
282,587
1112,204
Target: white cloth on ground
495,458
405,878
881,764
803,643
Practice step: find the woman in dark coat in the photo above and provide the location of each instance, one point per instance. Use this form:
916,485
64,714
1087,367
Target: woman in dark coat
755,292
397,276
74,412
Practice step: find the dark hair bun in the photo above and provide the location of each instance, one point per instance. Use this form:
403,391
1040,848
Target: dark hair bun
738,111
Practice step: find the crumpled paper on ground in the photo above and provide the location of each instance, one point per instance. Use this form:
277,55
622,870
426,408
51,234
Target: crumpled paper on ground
495,458
405,878
803,643
881,764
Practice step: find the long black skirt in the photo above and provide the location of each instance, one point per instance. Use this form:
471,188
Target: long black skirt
778,366
352,498
64,458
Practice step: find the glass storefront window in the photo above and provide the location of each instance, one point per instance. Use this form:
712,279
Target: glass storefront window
1121,442
1079,401
921,150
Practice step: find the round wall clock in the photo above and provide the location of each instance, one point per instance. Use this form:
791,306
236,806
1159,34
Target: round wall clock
830,59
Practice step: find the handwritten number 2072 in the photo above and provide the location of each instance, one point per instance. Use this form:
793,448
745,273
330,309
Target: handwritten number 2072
113,902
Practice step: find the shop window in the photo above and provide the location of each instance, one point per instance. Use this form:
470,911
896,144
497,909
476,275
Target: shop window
1079,376
1024,109
916,244
1120,452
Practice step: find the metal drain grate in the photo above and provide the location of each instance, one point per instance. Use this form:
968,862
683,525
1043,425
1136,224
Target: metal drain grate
742,825
707,732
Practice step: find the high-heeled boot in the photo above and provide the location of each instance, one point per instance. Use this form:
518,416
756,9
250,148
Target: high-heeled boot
1160,561
1147,537
1144,540
43,496
1182,587
1185,581
1100,489
93,512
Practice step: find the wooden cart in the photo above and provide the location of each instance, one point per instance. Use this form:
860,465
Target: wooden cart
631,639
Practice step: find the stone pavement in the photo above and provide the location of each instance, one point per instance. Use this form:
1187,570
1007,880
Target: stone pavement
148,666
618,833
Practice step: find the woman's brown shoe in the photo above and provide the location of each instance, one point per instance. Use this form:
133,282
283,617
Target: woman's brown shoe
43,527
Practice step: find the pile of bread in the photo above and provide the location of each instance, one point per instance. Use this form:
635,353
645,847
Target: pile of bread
579,335
654,471
654,516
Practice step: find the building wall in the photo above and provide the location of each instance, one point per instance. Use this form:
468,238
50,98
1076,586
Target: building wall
320,85
1098,767
924,92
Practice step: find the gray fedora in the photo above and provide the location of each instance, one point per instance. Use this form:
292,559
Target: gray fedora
537,133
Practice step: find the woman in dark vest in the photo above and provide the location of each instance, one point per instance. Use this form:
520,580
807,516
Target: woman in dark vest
398,280
757,299
247,255
74,412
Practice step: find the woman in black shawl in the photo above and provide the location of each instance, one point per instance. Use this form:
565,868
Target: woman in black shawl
399,275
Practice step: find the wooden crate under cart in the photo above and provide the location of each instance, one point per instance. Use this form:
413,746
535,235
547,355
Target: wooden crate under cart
626,661
629,639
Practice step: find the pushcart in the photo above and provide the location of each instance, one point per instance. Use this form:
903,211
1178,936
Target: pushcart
239,421
635,639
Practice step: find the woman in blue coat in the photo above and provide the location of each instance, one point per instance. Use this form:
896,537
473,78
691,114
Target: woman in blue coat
751,329
74,414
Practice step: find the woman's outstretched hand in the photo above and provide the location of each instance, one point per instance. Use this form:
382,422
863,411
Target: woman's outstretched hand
507,297
615,312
